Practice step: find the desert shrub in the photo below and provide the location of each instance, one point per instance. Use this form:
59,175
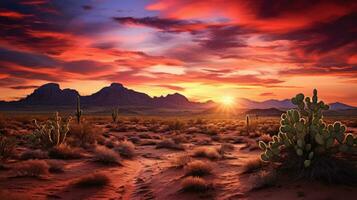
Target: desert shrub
7,146
206,152
52,133
224,148
106,156
31,168
55,166
263,179
181,161
179,139
305,140
84,134
64,152
169,144
134,139
195,184
33,154
198,168
252,165
92,180
175,125
126,149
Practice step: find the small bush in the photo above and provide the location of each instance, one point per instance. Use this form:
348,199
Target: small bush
64,152
84,134
224,148
169,144
194,184
198,168
92,180
252,165
181,161
31,168
7,147
34,154
204,152
126,149
55,166
263,179
106,156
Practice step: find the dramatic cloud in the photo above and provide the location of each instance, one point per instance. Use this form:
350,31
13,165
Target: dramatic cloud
204,49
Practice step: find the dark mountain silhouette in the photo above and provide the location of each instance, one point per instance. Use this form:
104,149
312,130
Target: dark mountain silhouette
265,112
114,95
50,94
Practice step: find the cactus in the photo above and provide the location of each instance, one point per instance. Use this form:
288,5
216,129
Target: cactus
304,132
53,132
79,111
115,114
247,124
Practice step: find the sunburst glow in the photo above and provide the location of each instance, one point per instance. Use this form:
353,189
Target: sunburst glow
228,101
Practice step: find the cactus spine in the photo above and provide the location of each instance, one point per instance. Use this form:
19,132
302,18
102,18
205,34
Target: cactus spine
115,114
79,111
304,132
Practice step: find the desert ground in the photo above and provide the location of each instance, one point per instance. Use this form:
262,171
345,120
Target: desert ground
151,158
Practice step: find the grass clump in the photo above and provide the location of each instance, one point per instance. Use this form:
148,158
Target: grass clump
31,168
169,144
92,180
252,165
195,184
7,147
181,161
84,134
106,156
206,152
33,154
198,168
64,152
126,149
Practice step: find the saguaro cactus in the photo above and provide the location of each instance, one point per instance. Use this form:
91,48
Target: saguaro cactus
304,132
115,114
247,124
79,111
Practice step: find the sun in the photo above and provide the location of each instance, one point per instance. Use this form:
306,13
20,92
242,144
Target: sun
227,100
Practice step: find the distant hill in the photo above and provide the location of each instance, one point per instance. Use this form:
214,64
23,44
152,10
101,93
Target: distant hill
265,112
286,104
114,95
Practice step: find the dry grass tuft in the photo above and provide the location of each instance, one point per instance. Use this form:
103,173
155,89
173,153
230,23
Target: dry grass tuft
33,154
31,168
55,166
224,148
181,161
92,180
198,168
169,144
126,149
106,156
64,152
206,152
84,134
252,165
263,179
195,184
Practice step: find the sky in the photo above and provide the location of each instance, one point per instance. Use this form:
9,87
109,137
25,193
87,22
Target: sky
205,50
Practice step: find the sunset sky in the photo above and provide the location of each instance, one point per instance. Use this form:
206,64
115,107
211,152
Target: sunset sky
203,49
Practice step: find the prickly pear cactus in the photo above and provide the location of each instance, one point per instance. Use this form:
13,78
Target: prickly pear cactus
304,132
53,132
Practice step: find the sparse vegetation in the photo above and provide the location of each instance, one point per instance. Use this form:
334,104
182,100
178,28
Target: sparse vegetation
198,168
7,146
106,156
169,144
195,184
92,180
31,168
33,154
206,152
181,161
252,165
64,152
263,179
126,149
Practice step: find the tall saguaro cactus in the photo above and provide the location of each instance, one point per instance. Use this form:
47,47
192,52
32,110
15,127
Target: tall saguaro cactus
115,114
247,124
79,111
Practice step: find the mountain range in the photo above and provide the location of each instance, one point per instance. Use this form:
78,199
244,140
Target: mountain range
51,95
